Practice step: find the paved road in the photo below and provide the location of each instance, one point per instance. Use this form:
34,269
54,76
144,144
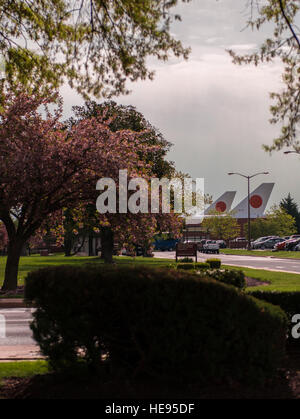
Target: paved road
16,340
258,262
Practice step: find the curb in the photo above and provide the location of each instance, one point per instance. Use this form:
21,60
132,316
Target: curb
20,353
7,360
12,303
276,257
266,257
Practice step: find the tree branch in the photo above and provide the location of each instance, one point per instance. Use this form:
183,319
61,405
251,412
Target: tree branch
289,23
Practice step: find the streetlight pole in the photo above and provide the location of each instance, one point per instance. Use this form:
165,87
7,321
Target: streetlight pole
248,180
249,232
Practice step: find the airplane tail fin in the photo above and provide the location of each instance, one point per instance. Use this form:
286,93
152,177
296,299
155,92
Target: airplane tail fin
222,204
258,201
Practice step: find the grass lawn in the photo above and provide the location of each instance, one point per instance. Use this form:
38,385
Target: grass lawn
262,253
40,385
30,263
22,369
279,281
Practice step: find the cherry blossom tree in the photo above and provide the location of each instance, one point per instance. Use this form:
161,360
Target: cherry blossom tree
45,167
3,237
128,229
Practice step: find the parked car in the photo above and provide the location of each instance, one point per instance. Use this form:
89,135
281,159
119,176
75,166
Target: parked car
200,244
136,251
211,246
284,245
165,245
268,244
198,241
291,245
222,244
256,242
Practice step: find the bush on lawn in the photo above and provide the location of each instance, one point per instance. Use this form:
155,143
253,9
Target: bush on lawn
288,301
229,277
186,260
165,323
193,266
214,263
202,266
186,266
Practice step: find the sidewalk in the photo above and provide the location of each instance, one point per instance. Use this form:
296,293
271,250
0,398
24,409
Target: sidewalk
12,303
19,353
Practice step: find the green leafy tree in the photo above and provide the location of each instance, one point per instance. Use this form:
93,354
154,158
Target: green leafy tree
291,207
223,227
96,45
119,117
283,44
276,223
127,117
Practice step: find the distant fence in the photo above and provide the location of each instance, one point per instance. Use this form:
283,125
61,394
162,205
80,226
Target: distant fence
241,244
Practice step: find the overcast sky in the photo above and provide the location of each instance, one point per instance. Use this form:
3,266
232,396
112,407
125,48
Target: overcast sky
214,112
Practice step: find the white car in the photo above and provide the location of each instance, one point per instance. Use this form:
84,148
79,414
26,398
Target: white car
211,246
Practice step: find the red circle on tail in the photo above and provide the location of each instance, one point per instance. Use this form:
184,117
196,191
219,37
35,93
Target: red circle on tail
256,201
221,206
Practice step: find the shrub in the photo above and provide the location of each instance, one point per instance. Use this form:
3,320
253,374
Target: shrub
214,263
202,266
288,301
167,324
186,260
186,266
229,277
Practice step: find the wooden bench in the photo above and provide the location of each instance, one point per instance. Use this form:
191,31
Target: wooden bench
186,250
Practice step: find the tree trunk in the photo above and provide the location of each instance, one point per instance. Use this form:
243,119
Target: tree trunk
91,246
12,265
68,244
107,244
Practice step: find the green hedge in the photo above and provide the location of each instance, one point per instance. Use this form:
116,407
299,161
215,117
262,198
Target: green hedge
229,277
202,266
186,266
288,301
164,323
186,260
214,263
193,266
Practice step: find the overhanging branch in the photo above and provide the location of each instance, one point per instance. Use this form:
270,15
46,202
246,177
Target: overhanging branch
289,23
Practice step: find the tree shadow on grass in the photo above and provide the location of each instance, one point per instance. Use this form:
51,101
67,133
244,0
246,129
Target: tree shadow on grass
286,385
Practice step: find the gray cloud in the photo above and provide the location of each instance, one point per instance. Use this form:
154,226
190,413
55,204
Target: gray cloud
214,112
